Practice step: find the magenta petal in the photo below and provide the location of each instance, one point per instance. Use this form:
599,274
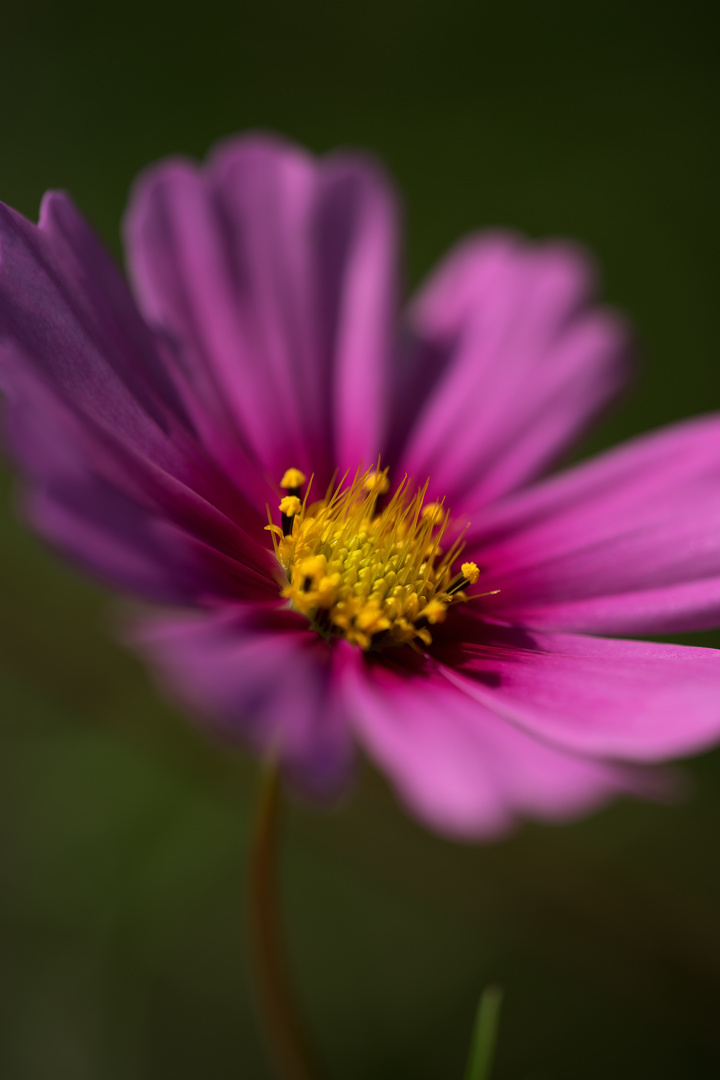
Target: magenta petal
462,768
68,323
119,542
357,227
66,306
628,543
261,678
517,364
118,479
629,700
276,273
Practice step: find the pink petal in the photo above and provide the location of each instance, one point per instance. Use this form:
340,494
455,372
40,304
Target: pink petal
628,543
118,478
629,700
277,274
66,309
259,677
458,765
516,363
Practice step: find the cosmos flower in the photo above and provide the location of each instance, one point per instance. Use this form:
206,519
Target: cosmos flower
340,505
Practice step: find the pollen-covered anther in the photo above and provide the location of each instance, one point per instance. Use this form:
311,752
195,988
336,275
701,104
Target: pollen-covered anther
289,507
434,513
375,577
293,479
469,573
376,482
434,612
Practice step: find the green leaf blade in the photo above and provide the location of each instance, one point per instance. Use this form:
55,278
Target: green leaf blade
482,1051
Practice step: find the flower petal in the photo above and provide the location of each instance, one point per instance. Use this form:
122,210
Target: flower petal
628,700
261,678
458,765
628,543
512,364
277,273
97,425
65,306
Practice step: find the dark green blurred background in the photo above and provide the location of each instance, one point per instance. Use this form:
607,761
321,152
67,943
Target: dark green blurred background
123,834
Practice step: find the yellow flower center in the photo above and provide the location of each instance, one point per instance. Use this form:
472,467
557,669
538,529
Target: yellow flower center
375,575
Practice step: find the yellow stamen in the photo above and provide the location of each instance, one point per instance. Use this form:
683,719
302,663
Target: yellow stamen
434,512
374,577
290,505
293,478
434,612
376,481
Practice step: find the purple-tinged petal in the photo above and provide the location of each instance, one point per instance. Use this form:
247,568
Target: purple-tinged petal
122,518
118,477
260,678
627,700
66,308
357,226
277,275
458,765
119,542
627,543
512,363
68,323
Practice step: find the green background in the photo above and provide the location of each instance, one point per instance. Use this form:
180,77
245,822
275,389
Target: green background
123,833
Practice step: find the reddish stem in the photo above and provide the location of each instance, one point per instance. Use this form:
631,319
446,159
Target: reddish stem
280,1018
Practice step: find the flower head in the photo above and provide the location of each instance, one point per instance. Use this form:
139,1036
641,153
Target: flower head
375,576
341,503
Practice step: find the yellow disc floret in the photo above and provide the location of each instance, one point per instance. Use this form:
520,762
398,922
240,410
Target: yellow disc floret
374,577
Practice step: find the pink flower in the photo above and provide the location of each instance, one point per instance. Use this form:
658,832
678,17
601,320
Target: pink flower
266,337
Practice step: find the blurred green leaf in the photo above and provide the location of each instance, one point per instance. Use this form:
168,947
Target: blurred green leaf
482,1051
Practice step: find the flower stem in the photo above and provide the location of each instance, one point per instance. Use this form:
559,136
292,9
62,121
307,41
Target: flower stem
279,1015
